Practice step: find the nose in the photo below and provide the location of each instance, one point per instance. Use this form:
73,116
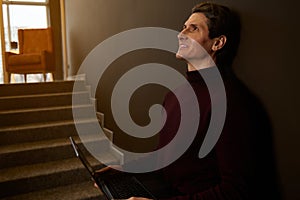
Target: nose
181,36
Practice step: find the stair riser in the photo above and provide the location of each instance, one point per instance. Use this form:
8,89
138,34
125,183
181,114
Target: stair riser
29,157
43,116
38,88
26,185
26,102
44,133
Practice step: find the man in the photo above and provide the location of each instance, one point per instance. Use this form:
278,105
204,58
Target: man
240,165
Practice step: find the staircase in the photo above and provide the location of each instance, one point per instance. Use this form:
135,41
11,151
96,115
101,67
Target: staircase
36,158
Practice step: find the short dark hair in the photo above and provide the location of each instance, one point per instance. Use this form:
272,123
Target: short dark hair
222,21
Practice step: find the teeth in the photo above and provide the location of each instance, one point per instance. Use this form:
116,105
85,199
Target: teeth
183,46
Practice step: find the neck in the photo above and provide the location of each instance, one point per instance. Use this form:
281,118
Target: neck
202,64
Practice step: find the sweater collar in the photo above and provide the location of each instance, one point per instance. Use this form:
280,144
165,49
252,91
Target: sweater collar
196,75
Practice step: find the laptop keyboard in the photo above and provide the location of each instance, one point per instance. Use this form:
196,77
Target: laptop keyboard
124,186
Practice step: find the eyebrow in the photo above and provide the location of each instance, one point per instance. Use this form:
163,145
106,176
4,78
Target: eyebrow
193,25
199,25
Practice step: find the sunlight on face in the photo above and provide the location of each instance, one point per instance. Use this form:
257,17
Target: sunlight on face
193,53
194,42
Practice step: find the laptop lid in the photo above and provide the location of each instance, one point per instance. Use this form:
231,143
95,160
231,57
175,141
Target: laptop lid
81,156
102,184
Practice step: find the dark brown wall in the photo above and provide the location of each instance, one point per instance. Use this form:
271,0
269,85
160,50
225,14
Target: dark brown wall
90,22
266,61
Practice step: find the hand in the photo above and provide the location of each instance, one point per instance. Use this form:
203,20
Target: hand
138,198
108,169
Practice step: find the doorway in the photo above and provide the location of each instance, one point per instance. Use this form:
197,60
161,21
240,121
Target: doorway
18,14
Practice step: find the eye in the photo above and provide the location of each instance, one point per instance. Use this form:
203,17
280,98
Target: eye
190,28
194,28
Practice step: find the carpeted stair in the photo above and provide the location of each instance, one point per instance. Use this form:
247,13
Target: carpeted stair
36,158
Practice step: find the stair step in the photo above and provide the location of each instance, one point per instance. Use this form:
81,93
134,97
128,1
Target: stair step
43,100
36,158
81,191
41,169
44,131
44,151
37,88
30,178
39,115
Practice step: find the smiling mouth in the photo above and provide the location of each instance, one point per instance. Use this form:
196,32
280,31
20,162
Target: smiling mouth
183,46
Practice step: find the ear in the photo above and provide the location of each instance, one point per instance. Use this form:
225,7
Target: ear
218,43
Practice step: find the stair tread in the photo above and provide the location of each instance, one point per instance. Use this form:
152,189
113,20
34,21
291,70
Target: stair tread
45,125
15,173
26,110
42,169
42,95
34,88
41,144
84,190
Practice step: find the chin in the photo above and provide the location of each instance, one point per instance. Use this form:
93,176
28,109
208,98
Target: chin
179,56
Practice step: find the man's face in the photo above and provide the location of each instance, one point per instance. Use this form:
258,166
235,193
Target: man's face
194,42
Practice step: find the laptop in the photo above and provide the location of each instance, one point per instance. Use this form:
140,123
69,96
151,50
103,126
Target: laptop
117,185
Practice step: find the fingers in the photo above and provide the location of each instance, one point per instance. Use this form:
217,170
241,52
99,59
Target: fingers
116,167
104,169
95,185
110,167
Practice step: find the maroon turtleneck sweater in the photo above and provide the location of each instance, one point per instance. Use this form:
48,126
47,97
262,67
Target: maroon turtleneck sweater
241,164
